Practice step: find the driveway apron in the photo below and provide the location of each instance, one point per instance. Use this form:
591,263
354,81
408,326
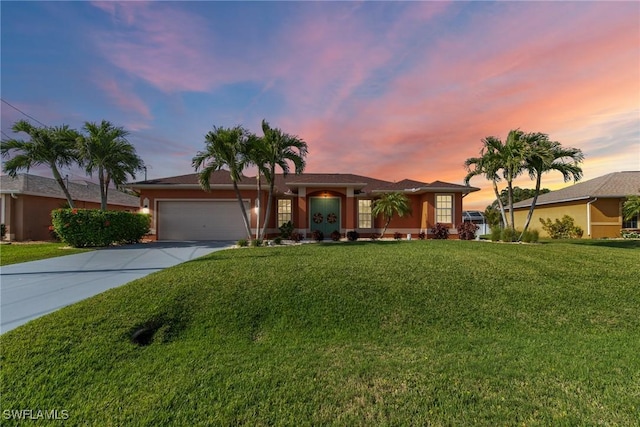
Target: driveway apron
33,289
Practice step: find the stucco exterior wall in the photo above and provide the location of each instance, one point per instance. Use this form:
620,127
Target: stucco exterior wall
604,214
29,217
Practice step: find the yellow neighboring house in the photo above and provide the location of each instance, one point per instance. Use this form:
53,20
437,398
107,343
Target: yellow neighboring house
595,205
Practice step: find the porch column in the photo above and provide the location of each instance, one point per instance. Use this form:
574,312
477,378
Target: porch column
302,209
350,210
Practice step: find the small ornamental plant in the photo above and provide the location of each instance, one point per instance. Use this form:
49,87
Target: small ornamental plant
440,231
335,235
352,236
317,235
467,231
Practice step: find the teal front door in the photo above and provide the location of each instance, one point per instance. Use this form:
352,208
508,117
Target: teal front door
325,215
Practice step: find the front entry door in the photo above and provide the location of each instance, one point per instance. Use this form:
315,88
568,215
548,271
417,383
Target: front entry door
325,215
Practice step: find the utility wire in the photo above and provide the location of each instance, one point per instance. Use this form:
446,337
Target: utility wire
22,112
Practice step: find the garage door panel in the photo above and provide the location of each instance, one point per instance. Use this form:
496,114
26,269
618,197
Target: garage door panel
200,220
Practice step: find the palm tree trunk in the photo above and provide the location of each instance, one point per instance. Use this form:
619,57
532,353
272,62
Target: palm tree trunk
267,214
65,190
384,229
103,196
247,226
511,213
533,205
259,210
500,204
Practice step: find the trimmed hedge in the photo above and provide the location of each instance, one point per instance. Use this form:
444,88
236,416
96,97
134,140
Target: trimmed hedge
92,227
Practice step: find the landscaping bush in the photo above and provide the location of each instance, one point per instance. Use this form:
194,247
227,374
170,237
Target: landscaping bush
562,228
92,227
467,231
296,237
256,243
397,236
352,236
242,243
422,235
630,234
496,234
277,240
286,229
317,235
509,235
531,236
335,235
3,231
440,231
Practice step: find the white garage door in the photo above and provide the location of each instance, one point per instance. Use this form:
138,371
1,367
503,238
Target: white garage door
196,220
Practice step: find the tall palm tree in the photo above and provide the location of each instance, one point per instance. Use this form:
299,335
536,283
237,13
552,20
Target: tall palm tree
105,149
224,148
51,146
513,158
488,164
542,156
281,150
257,155
390,204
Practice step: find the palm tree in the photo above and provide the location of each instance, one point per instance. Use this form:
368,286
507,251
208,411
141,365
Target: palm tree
488,164
389,204
51,146
105,148
512,157
224,147
542,156
631,207
280,149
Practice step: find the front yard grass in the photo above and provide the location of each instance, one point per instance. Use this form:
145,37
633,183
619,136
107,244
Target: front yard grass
24,252
377,333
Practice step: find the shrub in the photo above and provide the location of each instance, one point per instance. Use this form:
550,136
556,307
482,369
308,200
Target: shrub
286,229
531,236
467,231
496,234
397,236
352,236
335,235
317,235
296,237
562,228
3,231
509,235
440,231
256,243
630,234
242,243
422,235
277,240
92,227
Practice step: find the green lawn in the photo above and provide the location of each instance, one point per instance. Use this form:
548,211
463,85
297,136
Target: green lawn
386,333
24,252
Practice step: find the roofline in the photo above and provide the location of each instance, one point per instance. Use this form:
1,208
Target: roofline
420,190
77,199
168,186
326,184
574,199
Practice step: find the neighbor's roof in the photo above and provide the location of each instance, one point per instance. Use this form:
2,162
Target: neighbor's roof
613,185
85,191
292,182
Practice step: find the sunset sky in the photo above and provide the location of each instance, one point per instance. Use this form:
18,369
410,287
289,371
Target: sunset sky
383,89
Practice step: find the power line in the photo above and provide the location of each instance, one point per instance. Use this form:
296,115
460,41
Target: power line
5,134
22,112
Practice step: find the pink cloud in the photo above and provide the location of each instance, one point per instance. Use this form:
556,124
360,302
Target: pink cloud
125,99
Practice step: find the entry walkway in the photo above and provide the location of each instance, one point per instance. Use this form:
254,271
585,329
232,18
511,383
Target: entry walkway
33,289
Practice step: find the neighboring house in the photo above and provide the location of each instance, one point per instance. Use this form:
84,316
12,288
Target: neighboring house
181,210
27,202
595,205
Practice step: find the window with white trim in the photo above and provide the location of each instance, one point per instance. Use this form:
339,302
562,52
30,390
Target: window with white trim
444,208
284,211
365,218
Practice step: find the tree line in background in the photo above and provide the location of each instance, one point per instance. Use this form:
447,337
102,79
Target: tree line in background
100,148
533,153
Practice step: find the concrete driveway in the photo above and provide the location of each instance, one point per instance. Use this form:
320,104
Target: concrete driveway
33,289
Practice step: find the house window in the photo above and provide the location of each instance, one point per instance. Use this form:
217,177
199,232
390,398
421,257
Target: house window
364,214
284,211
631,223
444,208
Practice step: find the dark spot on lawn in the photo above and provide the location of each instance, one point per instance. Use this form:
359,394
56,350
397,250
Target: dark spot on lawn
143,335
